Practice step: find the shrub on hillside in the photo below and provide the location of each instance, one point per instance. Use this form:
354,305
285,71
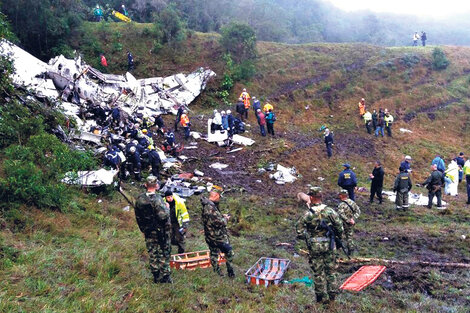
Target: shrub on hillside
33,172
239,40
439,59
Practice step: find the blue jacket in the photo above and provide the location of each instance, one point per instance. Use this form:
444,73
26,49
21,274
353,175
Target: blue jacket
270,118
256,105
224,122
347,178
154,158
441,166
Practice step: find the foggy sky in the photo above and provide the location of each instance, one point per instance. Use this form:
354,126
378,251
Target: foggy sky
426,8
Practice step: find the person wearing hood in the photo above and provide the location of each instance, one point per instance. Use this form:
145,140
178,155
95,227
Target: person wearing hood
216,121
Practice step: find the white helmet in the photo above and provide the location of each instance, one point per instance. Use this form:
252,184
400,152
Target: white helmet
222,112
229,112
132,150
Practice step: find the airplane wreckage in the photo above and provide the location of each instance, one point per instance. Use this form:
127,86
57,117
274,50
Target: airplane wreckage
75,88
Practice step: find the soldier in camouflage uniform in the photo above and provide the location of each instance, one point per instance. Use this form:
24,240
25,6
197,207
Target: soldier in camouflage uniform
349,212
153,218
215,232
316,227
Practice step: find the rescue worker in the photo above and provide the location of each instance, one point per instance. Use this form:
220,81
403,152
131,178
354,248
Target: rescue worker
154,161
179,217
415,39
124,11
328,142
423,38
267,107
362,107
245,96
240,108
380,126
451,178
215,233
349,212
216,121
130,61
178,116
377,183
374,119
270,119
388,119
98,13
256,105
347,180
104,62
261,122
466,172
402,187
406,164
116,116
439,162
153,218
186,124
461,163
434,185
368,121
316,227
111,158
224,120
134,163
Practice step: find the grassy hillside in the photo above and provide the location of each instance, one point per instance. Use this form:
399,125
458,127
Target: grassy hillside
93,258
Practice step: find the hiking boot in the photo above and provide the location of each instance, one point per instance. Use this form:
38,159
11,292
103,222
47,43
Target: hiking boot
156,277
230,272
166,279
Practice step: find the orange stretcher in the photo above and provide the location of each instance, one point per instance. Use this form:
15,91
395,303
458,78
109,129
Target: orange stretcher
193,260
365,276
267,271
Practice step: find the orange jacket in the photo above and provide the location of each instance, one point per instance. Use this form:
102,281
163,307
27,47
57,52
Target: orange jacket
362,108
246,99
184,120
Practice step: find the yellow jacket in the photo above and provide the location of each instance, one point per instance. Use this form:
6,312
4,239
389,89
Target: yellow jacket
267,107
466,168
182,214
367,117
388,120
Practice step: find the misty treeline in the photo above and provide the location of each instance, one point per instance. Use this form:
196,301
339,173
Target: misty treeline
43,27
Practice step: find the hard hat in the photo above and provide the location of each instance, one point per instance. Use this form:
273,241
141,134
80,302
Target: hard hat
132,149
135,142
229,112
222,112
215,111
407,157
254,98
144,131
97,5
151,147
244,89
363,99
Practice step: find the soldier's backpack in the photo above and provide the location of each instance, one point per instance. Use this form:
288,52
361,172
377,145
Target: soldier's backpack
151,212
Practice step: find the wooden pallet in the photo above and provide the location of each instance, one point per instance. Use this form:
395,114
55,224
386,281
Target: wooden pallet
193,260
267,271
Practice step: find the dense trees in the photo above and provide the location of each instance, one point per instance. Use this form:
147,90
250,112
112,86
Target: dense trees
43,26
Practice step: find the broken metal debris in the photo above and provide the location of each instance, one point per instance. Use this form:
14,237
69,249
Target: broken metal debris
90,178
218,166
284,175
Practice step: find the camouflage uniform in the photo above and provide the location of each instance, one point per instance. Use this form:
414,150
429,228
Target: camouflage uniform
348,209
402,187
215,232
321,252
153,218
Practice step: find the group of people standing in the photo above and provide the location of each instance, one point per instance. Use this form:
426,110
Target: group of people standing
376,122
417,37
264,116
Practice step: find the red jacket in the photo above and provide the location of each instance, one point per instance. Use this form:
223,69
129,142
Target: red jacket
103,61
261,119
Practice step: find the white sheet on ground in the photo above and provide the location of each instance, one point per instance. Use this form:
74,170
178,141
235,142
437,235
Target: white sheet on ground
414,198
